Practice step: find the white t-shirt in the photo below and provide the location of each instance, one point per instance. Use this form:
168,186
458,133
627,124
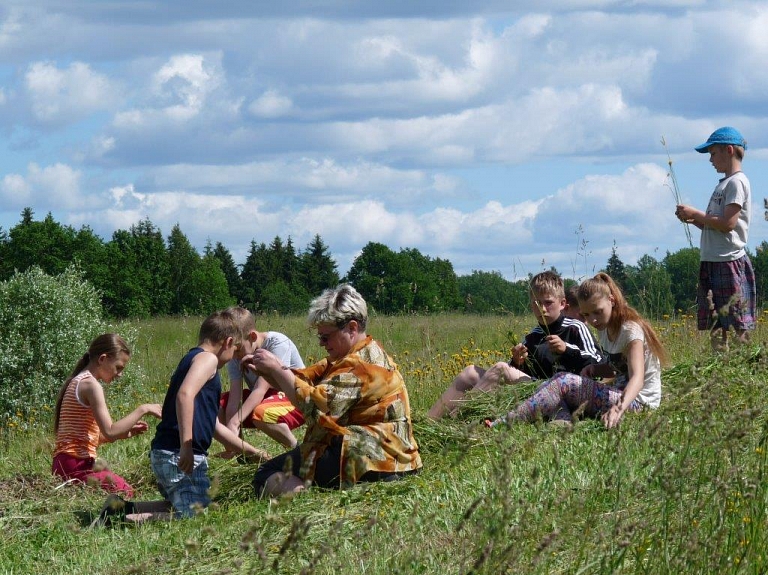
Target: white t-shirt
278,344
717,246
650,395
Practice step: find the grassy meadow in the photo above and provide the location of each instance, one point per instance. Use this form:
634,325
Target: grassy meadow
677,490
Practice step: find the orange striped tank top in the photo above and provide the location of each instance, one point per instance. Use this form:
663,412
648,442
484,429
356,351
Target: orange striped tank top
78,433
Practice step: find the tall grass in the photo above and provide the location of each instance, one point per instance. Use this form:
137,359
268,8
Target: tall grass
677,490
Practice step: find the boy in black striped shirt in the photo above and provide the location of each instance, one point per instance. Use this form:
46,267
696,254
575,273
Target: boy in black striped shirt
557,343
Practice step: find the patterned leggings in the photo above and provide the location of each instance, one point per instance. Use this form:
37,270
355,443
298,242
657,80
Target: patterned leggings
561,395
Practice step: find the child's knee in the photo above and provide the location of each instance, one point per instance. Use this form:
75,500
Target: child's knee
505,373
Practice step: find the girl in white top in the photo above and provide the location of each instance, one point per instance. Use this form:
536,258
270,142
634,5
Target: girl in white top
635,355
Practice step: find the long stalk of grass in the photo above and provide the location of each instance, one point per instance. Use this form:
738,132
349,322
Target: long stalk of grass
676,189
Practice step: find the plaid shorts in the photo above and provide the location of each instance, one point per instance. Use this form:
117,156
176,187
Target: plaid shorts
733,295
187,493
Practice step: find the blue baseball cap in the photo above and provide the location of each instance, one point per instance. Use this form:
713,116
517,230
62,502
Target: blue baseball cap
724,135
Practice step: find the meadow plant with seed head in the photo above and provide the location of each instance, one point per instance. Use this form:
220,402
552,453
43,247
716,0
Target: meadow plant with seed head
675,189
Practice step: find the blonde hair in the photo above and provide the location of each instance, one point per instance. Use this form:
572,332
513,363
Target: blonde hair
244,319
110,344
219,326
547,282
602,285
738,151
338,306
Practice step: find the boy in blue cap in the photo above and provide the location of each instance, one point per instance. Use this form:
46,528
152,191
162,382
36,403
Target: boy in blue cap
726,292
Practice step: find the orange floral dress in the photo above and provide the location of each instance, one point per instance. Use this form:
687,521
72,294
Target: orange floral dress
362,398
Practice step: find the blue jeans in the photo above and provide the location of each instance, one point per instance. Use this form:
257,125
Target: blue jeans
187,493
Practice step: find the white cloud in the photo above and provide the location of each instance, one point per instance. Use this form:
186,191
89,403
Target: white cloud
186,80
634,209
55,186
377,128
270,105
60,96
10,28
15,190
308,179
179,91
125,196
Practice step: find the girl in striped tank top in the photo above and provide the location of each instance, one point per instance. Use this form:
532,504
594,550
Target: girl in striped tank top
82,421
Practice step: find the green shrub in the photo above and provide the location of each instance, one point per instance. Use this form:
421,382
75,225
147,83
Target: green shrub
46,324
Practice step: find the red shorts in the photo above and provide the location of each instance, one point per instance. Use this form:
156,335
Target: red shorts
67,466
274,408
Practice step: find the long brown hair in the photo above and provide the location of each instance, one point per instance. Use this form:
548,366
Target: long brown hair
603,285
107,343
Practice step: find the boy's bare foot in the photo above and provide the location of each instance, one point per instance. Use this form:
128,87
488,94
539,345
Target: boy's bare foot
226,454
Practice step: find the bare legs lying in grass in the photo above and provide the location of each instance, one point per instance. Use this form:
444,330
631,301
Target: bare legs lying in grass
477,378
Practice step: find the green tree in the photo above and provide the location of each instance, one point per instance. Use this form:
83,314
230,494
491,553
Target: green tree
125,295
448,297
90,253
228,267
617,270
46,244
652,295
319,270
403,282
278,267
208,290
255,274
6,268
490,292
760,265
52,247
432,282
683,269
138,265
375,274
152,262
289,268
279,297
183,264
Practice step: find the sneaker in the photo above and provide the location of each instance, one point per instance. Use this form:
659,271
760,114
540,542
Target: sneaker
113,509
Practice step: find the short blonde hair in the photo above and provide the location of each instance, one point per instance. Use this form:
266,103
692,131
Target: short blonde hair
338,306
244,320
219,326
547,282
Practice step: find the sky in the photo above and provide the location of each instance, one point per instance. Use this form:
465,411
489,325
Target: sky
501,135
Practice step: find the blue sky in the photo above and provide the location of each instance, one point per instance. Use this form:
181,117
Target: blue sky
487,133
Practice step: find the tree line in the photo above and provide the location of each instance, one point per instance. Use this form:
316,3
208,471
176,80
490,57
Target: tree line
141,273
